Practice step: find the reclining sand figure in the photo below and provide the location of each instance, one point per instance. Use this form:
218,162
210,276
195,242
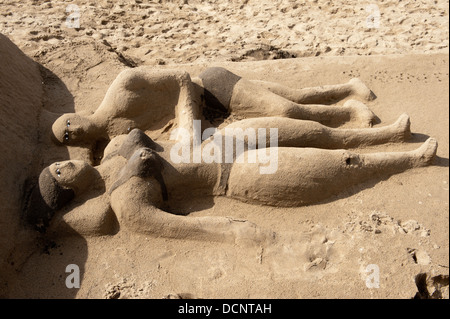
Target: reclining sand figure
144,98
137,183
141,184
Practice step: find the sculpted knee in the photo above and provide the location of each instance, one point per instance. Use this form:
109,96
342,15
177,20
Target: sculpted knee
289,111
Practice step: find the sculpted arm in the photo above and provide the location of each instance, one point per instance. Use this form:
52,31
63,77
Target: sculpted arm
133,204
94,217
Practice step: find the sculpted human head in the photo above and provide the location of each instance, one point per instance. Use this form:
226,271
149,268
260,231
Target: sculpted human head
73,129
74,174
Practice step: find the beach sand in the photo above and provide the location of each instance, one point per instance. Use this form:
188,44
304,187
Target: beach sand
399,224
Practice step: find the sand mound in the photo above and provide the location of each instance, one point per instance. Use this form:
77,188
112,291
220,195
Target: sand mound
20,104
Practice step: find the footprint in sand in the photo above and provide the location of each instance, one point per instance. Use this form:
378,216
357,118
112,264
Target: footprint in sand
294,256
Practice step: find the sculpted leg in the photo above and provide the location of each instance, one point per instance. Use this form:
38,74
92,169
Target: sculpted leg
321,94
300,133
308,176
252,100
228,92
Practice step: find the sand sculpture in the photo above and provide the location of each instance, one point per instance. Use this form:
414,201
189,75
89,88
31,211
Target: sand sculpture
137,183
142,98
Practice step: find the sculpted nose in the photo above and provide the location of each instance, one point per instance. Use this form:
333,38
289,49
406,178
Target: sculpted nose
75,128
68,165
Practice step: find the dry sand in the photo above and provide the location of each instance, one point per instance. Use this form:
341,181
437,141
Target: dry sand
399,224
183,31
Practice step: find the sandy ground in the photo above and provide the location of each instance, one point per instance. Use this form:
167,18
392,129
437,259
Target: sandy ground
399,224
183,31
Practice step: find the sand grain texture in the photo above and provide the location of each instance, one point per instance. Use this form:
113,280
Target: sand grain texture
399,223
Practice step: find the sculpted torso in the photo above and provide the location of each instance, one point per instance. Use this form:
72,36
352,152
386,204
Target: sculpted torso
198,178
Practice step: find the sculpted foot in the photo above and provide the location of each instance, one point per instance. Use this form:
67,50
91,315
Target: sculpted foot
361,90
402,128
427,152
360,112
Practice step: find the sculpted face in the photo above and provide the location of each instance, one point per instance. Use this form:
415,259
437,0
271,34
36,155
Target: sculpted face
74,174
71,129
